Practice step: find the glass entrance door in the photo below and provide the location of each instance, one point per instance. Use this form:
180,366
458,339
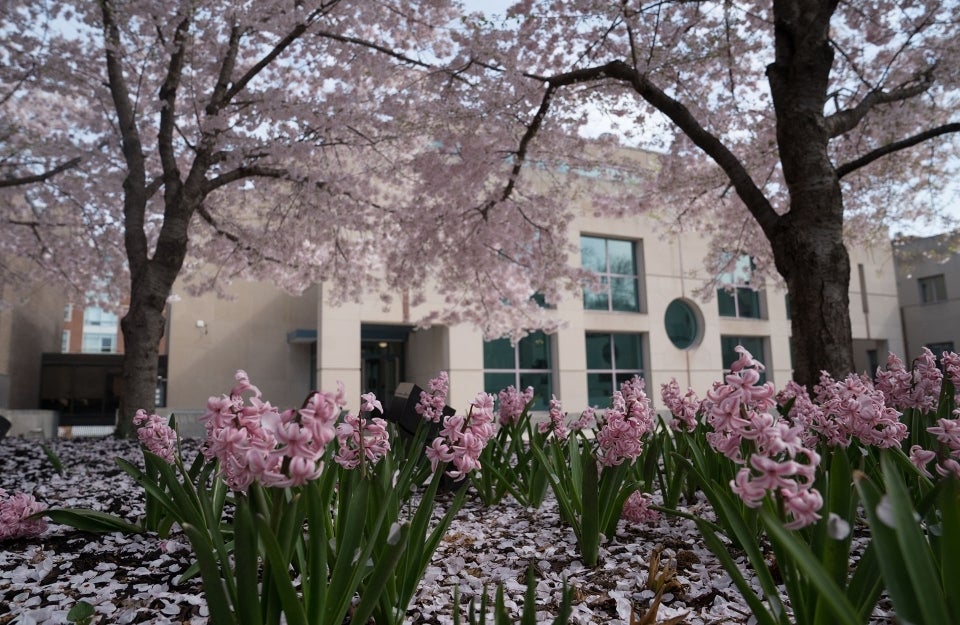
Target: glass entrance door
382,368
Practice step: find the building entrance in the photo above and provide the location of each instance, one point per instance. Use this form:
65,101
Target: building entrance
383,352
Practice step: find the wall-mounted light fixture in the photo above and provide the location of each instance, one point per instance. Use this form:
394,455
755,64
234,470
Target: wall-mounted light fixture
202,325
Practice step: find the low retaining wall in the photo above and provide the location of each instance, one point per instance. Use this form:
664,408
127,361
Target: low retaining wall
32,423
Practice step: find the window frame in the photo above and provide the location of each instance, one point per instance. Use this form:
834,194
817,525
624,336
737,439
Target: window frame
763,354
614,371
98,317
541,403
732,288
607,275
939,292
93,343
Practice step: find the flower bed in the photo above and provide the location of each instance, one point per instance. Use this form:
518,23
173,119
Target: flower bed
777,509
131,578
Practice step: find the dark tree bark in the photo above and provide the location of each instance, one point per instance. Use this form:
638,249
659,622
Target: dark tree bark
151,277
142,328
807,242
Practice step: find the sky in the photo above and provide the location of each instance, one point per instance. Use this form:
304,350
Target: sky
488,6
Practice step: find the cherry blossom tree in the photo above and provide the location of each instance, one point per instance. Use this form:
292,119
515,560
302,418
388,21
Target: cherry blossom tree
792,127
405,147
208,141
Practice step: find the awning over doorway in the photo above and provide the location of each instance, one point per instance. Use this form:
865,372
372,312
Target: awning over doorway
302,335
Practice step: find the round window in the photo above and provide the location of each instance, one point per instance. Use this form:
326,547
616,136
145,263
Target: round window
683,323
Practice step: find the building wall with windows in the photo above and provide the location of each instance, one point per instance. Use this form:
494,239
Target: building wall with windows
90,330
643,317
928,287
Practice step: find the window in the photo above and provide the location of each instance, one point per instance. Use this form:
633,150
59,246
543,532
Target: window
615,261
611,360
65,342
736,298
98,343
933,289
939,348
873,362
528,363
753,344
67,312
683,324
93,316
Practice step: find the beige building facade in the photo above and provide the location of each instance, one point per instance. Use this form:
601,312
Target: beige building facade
28,329
928,284
649,322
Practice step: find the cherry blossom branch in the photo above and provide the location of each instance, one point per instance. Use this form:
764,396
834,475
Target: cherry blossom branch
896,146
168,114
847,119
135,238
241,83
521,154
233,238
249,171
751,195
218,97
403,58
295,33
16,181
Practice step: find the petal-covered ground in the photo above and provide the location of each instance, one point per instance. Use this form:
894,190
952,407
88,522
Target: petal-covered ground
135,578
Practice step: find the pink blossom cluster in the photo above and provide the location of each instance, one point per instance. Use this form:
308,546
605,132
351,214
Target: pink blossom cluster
636,508
734,408
625,423
462,439
947,432
918,388
782,473
777,460
951,366
253,442
855,409
512,404
586,421
556,424
803,412
431,404
362,440
14,512
684,409
154,434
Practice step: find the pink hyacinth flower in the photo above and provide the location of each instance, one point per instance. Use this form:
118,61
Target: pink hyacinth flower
154,434
14,512
636,508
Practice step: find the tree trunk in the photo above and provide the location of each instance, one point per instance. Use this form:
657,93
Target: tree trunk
151,282
813,259
807,241
142,327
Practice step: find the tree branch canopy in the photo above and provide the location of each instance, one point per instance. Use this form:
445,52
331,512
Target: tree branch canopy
846,120
896,146
18,181
712,146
